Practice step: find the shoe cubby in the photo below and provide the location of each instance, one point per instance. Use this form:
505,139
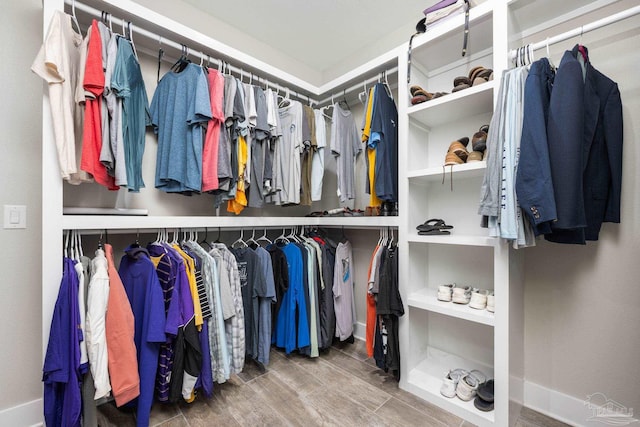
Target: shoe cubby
434,264
434,353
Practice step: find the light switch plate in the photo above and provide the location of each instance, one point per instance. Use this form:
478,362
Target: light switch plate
15,216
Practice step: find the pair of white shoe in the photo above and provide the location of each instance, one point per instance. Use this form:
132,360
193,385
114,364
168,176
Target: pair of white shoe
476,298
452,292
461,383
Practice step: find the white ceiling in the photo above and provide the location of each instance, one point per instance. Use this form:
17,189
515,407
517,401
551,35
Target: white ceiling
323,33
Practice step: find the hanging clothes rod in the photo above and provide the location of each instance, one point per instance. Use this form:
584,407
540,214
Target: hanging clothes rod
374,79
163,42
612,19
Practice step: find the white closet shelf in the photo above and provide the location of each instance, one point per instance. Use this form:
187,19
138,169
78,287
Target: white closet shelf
434,174
441,44
425,299
426,378
452,239
104,222
448,108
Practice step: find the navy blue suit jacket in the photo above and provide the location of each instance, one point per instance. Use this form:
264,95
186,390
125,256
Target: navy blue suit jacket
585,150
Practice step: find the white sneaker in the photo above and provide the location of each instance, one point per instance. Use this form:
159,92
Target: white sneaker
444,292
461,295
491,302
450,382
479,299
468,384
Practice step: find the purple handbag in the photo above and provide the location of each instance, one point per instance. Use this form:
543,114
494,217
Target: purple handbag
440,5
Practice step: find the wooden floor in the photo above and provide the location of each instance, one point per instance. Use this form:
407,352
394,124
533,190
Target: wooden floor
341,387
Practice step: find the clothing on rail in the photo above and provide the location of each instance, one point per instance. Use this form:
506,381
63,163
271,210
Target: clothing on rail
554,160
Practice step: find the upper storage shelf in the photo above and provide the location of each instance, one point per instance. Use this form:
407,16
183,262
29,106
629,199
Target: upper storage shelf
441,45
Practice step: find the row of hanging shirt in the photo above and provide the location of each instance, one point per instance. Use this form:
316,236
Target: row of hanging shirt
181,317
257,147
98,103
384,306
554,162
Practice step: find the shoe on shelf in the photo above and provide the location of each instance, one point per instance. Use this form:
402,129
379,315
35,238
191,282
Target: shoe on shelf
484,396
491,302
461,295
479,299
450,382
468,385
445,291
475,156
479,139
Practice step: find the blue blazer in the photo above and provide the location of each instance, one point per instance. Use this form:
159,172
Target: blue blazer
584,136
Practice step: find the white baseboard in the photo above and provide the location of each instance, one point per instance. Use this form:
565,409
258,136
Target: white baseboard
26,414
572,410
360,331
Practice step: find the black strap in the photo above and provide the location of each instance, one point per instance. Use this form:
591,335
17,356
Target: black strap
466,28
160,55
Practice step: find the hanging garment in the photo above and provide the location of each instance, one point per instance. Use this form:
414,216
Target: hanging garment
317,165
345,147
292,332
384,139
58,63
121,346
97,300
145,296
259,150
235,329
585,149
326,304
370,150
390,308
93,85
534,185
212,137
343,282
254,284
288,164
266,300
309,148
116,160
179,109
127,83
61,370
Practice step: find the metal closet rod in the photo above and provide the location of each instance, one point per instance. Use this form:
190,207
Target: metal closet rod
138,231
612,19
361,85
178,46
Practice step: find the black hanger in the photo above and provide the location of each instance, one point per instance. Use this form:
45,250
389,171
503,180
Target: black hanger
204,241
218,239
182,62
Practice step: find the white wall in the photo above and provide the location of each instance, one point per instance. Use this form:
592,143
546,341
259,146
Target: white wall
20,166
188,15
581,303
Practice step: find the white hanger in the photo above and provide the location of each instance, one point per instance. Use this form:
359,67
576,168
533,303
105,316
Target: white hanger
73,16
282,237
264,237
133,45
240,240
553,66
253,237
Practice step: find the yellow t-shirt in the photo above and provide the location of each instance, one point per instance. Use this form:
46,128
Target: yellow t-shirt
371,152
240,202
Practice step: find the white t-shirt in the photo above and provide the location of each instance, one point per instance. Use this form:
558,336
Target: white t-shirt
58,63
317,162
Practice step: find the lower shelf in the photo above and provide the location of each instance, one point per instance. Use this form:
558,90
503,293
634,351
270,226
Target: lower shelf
425,299
426,378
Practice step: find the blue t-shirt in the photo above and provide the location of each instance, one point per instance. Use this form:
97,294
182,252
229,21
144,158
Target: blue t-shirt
180,109
286,336
127,83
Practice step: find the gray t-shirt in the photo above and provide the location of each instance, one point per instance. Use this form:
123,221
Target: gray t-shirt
345,147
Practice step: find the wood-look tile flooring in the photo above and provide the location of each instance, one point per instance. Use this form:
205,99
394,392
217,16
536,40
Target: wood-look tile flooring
340,388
